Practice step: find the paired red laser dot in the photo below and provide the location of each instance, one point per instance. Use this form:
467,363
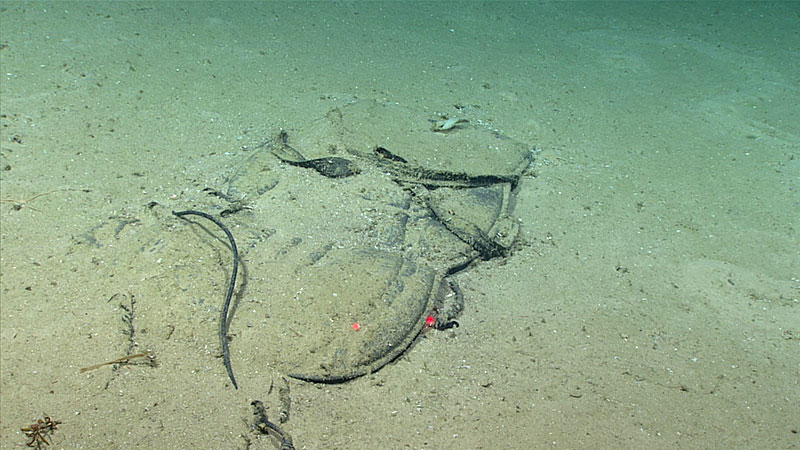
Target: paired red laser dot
430,321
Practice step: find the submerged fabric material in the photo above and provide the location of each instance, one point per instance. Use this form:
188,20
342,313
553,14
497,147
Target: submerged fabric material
356,218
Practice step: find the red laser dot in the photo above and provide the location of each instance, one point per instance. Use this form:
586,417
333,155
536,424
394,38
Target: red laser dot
430,321
355,326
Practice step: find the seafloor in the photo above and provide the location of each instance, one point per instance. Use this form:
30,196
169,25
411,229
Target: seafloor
651,300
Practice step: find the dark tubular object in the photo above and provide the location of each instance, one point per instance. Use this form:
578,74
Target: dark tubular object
223,329
265,426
